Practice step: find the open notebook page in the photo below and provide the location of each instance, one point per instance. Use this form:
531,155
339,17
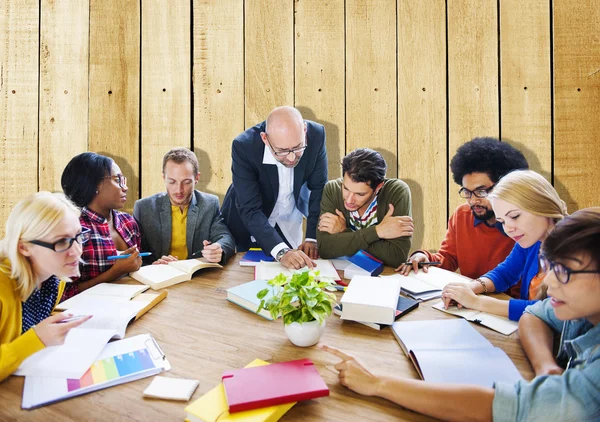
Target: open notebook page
69,360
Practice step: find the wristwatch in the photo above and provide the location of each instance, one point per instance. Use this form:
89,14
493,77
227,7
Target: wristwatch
281,253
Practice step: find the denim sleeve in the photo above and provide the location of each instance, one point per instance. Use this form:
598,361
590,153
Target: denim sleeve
516,307
508,272
572,396
544,311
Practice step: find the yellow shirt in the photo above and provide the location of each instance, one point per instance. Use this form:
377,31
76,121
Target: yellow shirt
14,346
178,237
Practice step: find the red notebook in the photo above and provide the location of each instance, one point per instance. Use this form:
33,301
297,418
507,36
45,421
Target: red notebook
271,385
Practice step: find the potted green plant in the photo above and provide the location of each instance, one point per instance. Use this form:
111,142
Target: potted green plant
303,303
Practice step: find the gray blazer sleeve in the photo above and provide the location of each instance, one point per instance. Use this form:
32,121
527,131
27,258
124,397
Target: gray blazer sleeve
208,225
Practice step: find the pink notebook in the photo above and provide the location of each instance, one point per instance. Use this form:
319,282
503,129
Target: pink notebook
271,385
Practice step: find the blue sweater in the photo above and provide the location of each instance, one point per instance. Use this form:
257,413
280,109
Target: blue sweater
520,264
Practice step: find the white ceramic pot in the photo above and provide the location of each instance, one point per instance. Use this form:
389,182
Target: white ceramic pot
305,334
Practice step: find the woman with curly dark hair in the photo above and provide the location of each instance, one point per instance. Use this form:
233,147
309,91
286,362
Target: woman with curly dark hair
95,183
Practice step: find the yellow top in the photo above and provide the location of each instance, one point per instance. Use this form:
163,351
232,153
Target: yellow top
178,238
14,346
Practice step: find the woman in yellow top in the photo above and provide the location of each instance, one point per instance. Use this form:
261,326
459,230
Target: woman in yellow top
42,244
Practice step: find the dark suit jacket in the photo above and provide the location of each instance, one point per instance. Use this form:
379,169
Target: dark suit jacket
204,222
251,197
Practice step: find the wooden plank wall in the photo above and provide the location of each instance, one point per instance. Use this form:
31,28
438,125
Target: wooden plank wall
63,96
422,133
218,88
472,76
114,103
319,72
411,80
19,78
166,86
371,93
525,96
577,102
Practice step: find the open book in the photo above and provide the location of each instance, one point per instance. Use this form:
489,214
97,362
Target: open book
166,275
84,343
429,285
270,270
114,293
452,351
497,323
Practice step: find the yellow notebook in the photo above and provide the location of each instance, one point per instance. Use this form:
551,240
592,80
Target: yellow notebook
212,407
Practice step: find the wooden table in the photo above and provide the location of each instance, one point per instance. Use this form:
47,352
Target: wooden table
203,335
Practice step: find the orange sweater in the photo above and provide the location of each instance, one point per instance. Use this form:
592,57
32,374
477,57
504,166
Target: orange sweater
474,249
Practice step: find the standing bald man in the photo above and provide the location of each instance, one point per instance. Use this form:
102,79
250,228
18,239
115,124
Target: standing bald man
279,170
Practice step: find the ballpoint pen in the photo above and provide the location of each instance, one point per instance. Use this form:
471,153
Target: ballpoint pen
127,255
422,264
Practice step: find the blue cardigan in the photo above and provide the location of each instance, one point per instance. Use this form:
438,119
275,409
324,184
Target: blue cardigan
520,264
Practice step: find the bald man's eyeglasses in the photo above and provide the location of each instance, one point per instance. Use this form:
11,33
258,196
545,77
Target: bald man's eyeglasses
285,152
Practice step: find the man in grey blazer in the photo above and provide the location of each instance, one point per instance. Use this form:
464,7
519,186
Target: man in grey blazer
182,223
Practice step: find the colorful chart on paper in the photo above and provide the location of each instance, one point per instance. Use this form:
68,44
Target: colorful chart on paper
111,368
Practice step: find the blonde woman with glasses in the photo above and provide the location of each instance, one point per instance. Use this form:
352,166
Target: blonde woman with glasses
528,208
42,246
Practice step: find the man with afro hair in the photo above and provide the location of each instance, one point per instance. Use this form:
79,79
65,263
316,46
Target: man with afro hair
475,242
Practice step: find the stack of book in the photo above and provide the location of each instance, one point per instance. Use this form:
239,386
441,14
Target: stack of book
405,305
371,299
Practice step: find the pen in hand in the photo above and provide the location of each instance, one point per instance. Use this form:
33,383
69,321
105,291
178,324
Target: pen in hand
422,264
198,253
72,318
127,255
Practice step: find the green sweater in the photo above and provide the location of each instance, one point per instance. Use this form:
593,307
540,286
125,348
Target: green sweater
392,252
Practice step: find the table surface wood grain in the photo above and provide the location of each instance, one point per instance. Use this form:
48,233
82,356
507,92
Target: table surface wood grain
203,335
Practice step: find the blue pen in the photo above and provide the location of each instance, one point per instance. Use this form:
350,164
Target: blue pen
127,255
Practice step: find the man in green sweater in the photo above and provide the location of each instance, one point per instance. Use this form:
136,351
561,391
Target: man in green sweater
364,210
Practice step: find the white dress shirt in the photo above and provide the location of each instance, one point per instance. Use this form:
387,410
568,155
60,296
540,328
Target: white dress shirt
285,213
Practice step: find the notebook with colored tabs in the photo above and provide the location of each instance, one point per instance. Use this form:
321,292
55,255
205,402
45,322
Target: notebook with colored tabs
213,406
121,361
278,383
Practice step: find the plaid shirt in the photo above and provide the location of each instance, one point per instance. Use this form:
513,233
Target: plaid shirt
101,246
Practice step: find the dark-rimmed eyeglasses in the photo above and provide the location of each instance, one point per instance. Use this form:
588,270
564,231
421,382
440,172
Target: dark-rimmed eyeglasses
562,273
119,178
65,243
285,152
479,193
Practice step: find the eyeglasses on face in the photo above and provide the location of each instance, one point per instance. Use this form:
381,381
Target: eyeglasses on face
479,193
65,243
119,178
562,273
285,152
